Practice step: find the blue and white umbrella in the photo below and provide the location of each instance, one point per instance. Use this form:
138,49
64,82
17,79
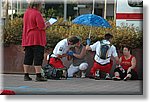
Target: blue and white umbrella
91,20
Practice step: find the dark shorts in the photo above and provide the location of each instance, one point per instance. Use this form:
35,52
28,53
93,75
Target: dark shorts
34,55
133,73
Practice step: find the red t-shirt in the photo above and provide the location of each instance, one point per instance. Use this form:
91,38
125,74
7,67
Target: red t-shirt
126,63
33,28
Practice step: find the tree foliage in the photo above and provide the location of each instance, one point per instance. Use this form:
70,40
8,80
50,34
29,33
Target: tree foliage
124,35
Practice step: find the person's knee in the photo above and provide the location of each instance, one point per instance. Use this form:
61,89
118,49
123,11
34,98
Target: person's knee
70,74
83,66
71,71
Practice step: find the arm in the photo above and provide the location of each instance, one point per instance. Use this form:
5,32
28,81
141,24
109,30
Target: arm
40,22
69,58
117,60
133,64
88,41
92,47
61,56
59,51
88,48
47,24
120,60
82,54
115,55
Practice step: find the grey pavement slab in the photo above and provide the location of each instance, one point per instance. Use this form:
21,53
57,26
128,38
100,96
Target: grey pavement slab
74,86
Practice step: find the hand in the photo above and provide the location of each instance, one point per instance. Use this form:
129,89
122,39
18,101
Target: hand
118,66
70,53
129,70
88,41
47,24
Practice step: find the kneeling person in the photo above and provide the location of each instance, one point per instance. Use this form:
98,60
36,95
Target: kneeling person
61,50
102,60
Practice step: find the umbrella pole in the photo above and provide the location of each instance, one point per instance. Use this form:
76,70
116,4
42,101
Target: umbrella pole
90,31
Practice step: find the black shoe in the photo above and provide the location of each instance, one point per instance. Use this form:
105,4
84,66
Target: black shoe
27,78
41,78
97,78
116,78
91,77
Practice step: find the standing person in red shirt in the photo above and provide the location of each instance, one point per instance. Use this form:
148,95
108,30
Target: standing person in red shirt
126,69
34,39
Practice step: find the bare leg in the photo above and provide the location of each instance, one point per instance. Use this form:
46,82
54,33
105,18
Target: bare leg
26,68
127,77
117,74
38,69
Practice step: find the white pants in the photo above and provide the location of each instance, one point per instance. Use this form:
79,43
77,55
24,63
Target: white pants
73,69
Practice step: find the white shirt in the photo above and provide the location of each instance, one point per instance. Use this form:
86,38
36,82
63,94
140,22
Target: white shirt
111,52
61,48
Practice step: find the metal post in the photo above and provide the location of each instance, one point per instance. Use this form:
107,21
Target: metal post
65,10
11,9
20,11
115,10
17,7
105,10
6,11
1,47
1,9
93,6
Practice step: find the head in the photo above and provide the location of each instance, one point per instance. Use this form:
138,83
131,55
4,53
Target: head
73,40
78,44
37,4
126,50
108,36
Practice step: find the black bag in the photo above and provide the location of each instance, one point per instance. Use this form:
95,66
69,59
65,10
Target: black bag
104,51
50,72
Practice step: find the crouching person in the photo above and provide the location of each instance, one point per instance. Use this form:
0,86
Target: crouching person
59,52
77,54
102,61
126,69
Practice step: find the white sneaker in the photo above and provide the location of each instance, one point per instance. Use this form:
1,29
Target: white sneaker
83,75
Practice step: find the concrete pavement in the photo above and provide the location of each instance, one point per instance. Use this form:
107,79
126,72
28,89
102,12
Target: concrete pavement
74,86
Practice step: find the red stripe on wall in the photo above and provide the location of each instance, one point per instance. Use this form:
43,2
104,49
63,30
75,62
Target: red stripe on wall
135,16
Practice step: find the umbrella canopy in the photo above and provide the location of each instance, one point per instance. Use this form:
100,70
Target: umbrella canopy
91,20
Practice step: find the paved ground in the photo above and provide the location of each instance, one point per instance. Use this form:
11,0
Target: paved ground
73,86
